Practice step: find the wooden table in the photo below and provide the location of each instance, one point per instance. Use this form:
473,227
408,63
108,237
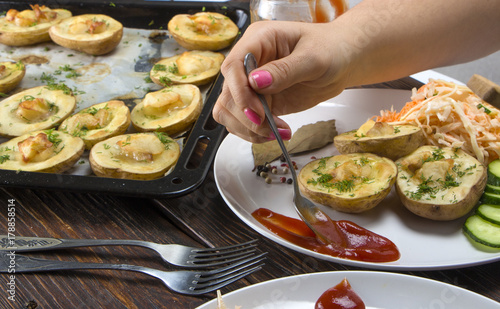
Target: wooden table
200,218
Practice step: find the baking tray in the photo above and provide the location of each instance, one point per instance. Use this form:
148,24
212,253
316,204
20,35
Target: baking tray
202,141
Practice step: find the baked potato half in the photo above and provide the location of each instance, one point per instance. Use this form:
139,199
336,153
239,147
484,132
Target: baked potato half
382,139
171,110
29,27
11,75
140,156
192,67
98,122
440,183
46,151
94,34
203,31
350,183
35,109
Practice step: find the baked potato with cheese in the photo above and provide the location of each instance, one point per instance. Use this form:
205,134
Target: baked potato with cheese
203,31
94,34
350,183
46,151
382,139
98,122
29,27
440,183
171,110
11,75
35,109
140,156
192,67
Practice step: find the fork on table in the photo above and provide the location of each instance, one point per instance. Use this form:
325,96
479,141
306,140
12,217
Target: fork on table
191,282
178,255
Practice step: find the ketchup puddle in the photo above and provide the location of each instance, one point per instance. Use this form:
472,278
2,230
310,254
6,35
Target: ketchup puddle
358,243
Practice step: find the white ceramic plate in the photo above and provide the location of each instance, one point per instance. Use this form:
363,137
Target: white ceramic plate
424,244
377,290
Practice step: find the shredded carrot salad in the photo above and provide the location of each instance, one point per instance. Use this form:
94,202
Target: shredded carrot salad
451,115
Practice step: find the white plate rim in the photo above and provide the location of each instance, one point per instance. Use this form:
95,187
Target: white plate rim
449,295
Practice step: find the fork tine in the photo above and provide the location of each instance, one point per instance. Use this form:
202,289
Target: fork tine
225,271
219,260
229,253
207,288
232,248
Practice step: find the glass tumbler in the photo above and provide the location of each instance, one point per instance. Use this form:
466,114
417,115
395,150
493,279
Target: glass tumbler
311,11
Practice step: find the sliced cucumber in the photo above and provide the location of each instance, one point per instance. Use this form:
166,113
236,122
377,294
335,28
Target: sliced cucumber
489,212
494,173
482,231
490,198
492,189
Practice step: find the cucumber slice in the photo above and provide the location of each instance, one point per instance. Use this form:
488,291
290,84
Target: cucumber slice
494,173
489,212
482,231
490,198
492,189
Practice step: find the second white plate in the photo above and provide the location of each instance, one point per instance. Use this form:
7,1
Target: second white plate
377,290
424,244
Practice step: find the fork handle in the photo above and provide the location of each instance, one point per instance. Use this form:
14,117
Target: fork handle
26,244
24,264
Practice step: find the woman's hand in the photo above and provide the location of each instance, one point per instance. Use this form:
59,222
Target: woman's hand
303,64
296,73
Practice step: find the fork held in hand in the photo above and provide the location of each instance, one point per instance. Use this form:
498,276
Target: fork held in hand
192,282
174,254
317,220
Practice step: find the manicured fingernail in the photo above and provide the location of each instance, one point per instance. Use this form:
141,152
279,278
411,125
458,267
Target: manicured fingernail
284,133
262,79
252,116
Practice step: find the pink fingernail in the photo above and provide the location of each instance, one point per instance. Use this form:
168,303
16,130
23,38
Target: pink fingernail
262,79
284,133
252,116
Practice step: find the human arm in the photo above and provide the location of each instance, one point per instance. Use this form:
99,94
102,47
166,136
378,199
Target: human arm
378,40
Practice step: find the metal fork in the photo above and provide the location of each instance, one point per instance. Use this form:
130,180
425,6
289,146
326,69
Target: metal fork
189,282
174,254
317,220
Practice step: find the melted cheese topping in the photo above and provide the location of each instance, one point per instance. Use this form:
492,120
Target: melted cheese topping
36,148
438,176
349,176
30,18
134,156
34,109
41,151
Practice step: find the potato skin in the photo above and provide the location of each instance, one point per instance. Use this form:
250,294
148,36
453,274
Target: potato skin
364,196
106,161
175,122
183,29
16,72
24,36
118,124
391,146
465,195
92,44
69,150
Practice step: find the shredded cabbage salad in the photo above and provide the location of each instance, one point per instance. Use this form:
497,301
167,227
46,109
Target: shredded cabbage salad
451,115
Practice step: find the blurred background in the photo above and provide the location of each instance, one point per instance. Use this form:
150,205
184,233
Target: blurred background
488,67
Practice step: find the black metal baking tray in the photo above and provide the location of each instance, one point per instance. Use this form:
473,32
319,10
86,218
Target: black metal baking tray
204,138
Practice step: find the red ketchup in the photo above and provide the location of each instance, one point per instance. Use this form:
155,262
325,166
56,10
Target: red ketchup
341,296
357,244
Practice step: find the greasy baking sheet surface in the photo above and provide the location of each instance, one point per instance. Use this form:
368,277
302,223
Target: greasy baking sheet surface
122,75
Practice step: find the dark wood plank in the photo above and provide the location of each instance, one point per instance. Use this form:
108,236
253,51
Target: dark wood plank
69,215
